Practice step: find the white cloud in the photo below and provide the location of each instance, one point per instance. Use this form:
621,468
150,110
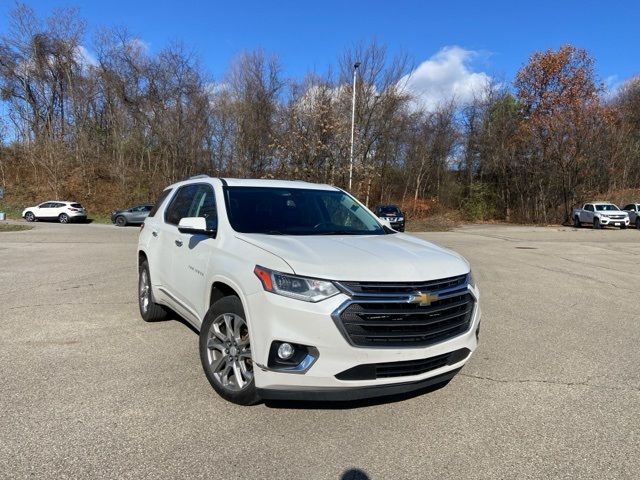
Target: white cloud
612,85
445,76
139,45
84,57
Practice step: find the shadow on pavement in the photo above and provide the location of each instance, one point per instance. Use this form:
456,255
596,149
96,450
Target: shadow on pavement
354,474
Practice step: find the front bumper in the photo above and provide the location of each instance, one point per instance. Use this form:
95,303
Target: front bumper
614,221
276,318
357,393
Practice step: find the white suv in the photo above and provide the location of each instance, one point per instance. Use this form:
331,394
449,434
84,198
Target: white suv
300,292
62,211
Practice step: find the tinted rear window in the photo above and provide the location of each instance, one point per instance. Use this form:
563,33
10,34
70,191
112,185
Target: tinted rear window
76,205
163,196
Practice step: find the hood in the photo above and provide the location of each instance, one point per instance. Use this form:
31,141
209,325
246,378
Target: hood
396,257
606,213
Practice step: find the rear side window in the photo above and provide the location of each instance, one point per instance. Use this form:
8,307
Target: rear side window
163,196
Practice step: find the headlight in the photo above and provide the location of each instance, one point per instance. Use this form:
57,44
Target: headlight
400,219
293,286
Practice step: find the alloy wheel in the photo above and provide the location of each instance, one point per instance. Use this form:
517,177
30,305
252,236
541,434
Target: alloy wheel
229,352
144,291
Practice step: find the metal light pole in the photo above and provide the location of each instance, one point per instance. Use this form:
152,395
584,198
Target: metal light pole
353,120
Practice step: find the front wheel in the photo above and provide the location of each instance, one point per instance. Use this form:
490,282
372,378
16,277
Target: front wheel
596,224
576,222
29,217
638,223
623,227
121,221
150,311
225,352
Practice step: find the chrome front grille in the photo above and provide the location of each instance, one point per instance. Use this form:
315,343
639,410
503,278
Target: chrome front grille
389,315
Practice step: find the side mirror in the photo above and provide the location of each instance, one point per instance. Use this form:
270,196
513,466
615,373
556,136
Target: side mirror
195,226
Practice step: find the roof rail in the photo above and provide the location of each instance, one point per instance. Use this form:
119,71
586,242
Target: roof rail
199,176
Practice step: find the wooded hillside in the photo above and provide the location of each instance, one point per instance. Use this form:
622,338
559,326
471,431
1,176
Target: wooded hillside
116,125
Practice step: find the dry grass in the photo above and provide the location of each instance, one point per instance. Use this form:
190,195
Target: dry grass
438,222
11,227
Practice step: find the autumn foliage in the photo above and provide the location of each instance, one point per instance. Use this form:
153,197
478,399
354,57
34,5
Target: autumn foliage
115,127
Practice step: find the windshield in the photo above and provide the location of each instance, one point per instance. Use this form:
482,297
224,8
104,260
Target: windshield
296,211
388,211
606,208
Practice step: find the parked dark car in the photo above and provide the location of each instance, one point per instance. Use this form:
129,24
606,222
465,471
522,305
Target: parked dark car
393,214
133,215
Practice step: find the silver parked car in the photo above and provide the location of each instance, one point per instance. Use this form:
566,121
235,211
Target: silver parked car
633,209
133,215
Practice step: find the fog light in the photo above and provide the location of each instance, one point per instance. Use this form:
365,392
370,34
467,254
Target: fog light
285,351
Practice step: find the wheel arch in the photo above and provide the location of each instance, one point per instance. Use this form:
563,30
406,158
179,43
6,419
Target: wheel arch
142,256
223,287
220,290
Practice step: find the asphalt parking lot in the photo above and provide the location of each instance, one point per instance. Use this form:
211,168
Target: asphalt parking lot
88,390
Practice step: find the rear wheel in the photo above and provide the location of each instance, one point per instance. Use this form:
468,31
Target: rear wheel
121,221
29,217
150,311
63,218
225,352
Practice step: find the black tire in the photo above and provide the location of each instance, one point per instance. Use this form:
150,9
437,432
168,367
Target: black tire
63,218
623,227
29,217
121,221
576,222
596,224
150,311
638,222
247,394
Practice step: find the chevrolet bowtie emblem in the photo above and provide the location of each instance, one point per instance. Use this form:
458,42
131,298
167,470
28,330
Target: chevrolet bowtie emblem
424,299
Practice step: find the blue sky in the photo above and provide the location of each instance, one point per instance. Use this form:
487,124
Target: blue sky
492,39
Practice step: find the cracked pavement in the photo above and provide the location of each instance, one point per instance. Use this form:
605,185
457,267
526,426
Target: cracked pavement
91,391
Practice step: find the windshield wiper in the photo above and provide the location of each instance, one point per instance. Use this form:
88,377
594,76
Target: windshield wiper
340,232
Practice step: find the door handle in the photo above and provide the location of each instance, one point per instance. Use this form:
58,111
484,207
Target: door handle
179,243
154,233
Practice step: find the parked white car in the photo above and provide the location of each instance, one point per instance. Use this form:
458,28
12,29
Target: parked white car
633,210
62,211
299,291
600,214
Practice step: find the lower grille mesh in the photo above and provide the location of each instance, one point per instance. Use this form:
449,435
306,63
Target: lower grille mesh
373,371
